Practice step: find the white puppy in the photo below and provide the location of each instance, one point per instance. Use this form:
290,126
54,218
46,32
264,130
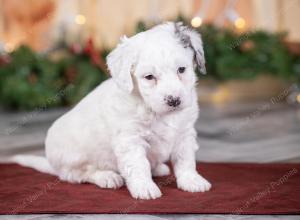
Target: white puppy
130,125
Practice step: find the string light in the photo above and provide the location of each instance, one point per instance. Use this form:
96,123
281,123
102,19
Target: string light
80,19
8,47
298,98
240,23
196,22
221,95
201,14
237,20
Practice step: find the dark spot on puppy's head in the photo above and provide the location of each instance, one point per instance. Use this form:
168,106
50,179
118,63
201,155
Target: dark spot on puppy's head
184,39
190,39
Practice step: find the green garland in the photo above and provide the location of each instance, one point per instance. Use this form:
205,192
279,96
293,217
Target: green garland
33,81
244,56
29,80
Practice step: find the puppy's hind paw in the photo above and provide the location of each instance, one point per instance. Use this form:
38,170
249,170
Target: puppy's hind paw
107,179
144,190
193,182
161,170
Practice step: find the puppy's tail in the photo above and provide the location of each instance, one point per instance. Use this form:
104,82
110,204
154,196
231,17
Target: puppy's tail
38,163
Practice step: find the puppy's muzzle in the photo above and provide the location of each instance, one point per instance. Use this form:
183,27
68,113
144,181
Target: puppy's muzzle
173,101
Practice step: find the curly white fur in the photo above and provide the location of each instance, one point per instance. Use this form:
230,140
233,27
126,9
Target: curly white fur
126,129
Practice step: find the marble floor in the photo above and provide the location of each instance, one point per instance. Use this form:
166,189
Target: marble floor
260,132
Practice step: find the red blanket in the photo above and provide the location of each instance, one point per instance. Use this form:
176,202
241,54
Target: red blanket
237,189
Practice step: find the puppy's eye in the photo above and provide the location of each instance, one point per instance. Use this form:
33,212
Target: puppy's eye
181,69
149,77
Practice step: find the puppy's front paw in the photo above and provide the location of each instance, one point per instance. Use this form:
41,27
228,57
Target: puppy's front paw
144,190
193,182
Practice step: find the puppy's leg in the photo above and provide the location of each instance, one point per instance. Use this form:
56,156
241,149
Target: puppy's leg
135,168
161,170
101,178
184,163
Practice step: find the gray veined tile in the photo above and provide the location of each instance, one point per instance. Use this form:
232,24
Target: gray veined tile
146,217
263,151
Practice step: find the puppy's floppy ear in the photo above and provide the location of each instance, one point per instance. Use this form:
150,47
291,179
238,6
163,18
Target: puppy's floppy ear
120,62
191,39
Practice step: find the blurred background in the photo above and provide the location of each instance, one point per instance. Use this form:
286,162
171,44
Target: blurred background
52,53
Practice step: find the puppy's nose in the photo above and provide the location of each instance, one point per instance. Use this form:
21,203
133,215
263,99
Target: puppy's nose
173,101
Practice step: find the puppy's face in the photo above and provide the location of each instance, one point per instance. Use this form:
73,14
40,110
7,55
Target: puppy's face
165,75
159,65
